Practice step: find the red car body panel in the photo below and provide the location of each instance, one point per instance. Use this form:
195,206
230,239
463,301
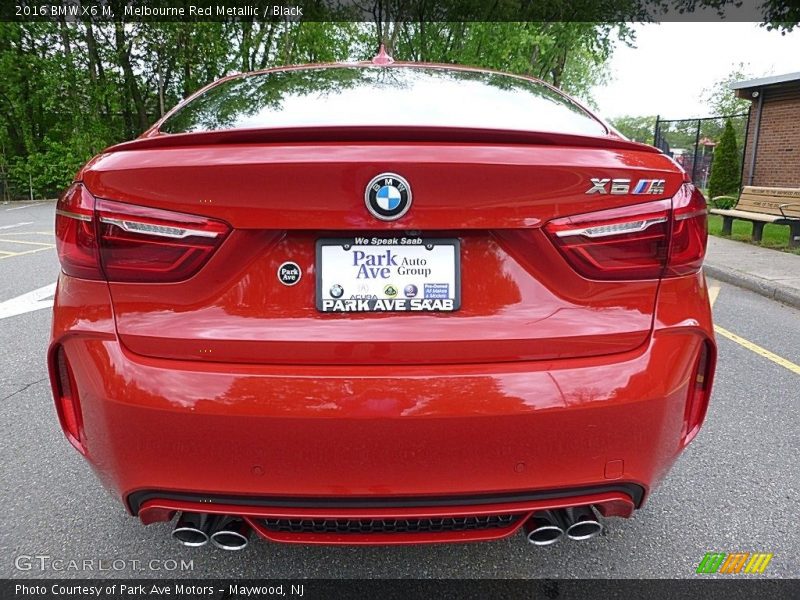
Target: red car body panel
504,191
229,393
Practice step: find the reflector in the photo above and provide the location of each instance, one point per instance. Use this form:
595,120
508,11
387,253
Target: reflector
67,402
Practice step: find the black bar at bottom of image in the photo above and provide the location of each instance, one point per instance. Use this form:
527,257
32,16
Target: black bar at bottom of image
438,589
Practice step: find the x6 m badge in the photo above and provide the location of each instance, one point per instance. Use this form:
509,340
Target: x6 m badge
623,186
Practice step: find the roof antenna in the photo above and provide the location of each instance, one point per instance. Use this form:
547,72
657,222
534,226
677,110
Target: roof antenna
381,58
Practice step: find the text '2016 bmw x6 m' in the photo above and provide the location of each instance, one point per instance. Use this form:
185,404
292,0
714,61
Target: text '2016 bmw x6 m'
381,303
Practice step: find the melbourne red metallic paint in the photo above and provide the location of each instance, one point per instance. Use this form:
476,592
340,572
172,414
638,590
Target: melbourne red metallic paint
320,431
514,277
496,186
521,301
228,384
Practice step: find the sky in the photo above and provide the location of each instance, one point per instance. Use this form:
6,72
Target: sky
671,63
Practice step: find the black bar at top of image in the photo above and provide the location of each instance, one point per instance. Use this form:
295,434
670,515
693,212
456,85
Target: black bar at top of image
729,588
402,10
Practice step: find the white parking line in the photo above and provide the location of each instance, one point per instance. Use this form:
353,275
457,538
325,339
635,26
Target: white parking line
16,225
25,242
34,300
21,207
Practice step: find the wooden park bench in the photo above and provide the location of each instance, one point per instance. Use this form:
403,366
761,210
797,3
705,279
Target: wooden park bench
763,205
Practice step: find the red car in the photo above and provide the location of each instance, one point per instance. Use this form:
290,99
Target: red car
381,304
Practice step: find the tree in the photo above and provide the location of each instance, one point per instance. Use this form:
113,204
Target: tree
71,88
781,15
725,171
569,55
638,129
721,99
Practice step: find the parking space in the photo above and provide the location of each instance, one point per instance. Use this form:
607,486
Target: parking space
736,488
14,243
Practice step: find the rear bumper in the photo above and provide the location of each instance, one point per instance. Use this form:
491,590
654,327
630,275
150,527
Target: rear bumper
318,442
388,520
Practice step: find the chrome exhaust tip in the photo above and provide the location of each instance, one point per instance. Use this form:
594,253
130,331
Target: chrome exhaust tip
544,528
582,523
233,533
192,529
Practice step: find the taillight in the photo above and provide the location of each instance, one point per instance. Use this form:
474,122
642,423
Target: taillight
663,238
66,396
76,237
618,243
150,244
123,242
699,392
689,232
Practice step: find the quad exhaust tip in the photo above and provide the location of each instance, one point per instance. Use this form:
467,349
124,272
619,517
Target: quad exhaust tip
232,534
583,523
547,527
544,528
193,529
225,532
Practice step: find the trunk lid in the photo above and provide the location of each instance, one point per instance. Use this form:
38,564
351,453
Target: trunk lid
520,299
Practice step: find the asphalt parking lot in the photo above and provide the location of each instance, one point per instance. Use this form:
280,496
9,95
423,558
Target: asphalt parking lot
737,487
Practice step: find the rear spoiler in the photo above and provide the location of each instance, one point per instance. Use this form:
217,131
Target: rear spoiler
155,139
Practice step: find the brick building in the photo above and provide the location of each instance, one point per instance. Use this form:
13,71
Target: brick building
772,147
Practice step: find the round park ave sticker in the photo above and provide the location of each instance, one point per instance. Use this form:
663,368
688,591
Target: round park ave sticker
289,273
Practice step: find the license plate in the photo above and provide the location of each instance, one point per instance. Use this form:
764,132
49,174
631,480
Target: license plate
388,274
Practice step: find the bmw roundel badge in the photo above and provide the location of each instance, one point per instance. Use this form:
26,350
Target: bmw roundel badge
388,196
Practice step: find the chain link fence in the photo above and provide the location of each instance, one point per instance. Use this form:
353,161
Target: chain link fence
691,142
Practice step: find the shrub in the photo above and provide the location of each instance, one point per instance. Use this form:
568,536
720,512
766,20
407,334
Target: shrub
725,171
724,202
48,171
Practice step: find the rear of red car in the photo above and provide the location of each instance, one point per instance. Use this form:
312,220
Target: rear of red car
387,304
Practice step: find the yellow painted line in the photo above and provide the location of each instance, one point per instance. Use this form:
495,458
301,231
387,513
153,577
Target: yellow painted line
40,245
713,292
25,242
758,349
26,252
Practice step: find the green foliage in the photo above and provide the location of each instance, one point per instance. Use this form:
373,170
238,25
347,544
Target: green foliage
571,56
774,236
638,129
57,161
724,202
782,15
725,171
721,99
71,89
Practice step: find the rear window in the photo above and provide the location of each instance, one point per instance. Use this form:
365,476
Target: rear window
370,96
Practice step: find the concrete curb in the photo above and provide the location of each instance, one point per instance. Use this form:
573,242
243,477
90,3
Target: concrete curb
770,289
